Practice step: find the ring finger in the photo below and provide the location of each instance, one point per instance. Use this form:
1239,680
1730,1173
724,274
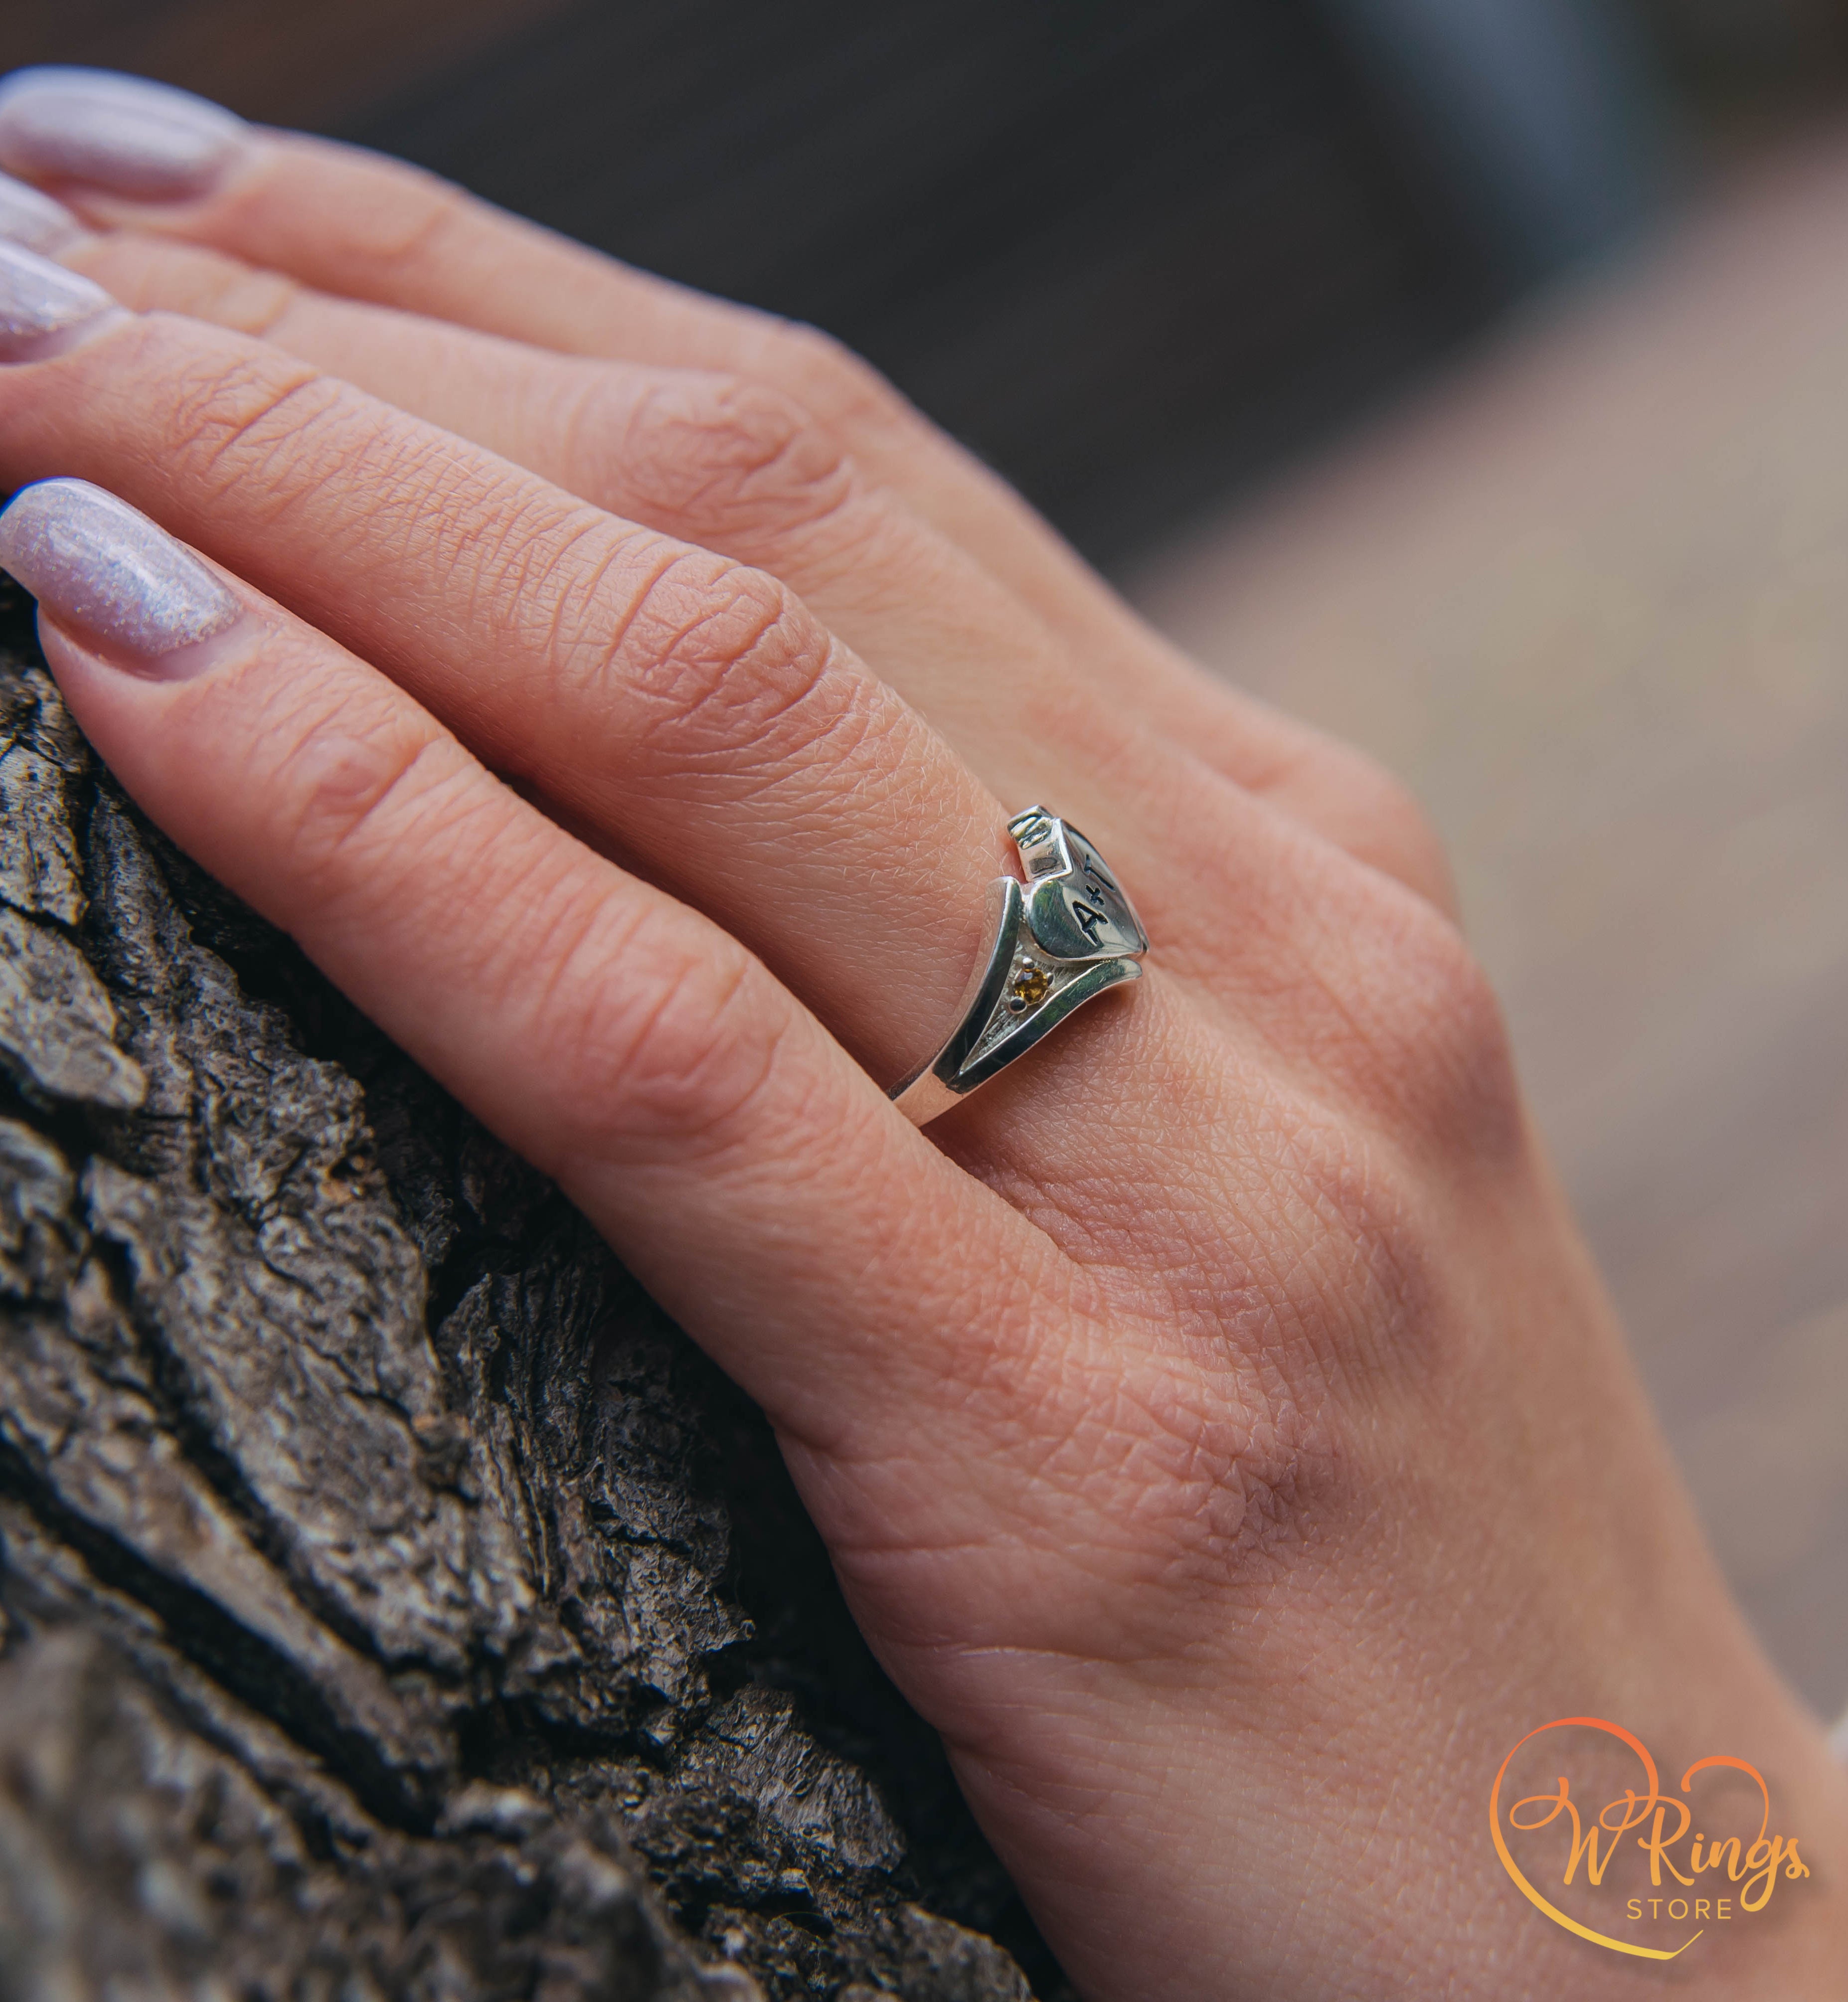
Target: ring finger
623,1044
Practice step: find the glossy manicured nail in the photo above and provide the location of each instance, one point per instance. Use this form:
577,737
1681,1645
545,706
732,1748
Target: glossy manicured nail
33,219
94,563
43,308
119,133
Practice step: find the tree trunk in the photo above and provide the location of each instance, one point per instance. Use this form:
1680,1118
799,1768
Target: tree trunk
392,1602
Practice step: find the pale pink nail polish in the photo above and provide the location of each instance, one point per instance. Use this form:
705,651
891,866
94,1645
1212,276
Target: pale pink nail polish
33,219
121,134
93,563
44,308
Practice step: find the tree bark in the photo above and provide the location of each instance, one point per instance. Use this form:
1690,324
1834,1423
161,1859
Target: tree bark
392,1602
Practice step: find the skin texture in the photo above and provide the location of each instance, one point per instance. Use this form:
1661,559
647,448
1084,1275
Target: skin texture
1219,1428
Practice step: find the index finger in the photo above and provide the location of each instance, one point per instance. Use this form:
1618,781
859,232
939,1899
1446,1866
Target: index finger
127,153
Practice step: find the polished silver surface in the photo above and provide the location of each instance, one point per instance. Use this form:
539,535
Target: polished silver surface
1065,935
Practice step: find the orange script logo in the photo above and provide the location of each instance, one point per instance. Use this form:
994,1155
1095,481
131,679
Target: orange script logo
1709,1881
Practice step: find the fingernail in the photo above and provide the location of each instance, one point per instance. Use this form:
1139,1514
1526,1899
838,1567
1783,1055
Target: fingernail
120,134
33,219
93,563
44,308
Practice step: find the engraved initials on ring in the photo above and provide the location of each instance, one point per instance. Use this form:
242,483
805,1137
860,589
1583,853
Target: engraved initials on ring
1064,937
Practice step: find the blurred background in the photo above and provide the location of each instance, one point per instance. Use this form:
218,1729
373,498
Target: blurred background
1470,375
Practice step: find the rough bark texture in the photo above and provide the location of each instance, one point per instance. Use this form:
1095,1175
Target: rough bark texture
392,1603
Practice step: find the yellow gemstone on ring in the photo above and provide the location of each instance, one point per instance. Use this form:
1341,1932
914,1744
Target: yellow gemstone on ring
1030,988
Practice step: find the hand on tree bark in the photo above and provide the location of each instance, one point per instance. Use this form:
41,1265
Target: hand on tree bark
1215,1423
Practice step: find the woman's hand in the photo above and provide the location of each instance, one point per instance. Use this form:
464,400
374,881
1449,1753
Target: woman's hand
764,441
1219,1431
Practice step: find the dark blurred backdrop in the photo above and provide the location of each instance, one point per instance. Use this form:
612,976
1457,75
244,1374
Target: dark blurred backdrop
1133,251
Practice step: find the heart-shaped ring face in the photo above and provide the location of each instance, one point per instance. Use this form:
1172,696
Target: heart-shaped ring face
1077,911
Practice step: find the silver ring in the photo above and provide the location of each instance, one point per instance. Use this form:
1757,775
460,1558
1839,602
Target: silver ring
1064,936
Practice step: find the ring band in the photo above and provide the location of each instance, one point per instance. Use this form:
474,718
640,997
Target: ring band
1066,934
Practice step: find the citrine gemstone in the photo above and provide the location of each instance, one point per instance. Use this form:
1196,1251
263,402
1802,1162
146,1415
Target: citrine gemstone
1030,988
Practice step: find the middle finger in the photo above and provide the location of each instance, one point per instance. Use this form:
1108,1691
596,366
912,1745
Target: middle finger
733,465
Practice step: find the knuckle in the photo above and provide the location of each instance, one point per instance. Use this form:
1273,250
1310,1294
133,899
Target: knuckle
150,274
677,1049
1242,1483
1375,816
1450,1041
1382,797
1396,1019
1410,1033
1199,1475
270,436
837,385
1343,1264
1415,1059
1338,1299
352,782
727,671
251,422
399,219
717,457
1398,832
